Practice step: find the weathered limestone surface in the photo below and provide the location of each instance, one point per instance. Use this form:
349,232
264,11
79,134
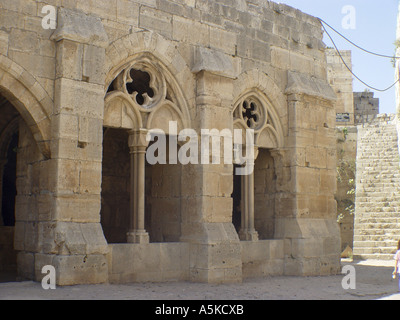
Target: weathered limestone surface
366,107
347,137
207,62
377,195
341,80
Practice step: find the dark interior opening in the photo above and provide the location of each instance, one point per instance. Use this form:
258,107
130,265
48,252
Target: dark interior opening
9,183
237,199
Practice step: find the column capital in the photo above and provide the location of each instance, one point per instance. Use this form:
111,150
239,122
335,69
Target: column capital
138,138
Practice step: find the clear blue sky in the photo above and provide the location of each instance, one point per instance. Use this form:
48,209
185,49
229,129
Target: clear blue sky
375,30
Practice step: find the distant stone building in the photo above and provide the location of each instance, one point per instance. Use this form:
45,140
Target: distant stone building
366,107
341,81
77,103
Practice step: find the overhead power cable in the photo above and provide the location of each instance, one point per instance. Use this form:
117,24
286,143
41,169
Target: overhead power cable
348,40
350,70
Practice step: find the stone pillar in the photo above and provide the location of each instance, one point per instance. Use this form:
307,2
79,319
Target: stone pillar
207,206
306,206
138,145
72,239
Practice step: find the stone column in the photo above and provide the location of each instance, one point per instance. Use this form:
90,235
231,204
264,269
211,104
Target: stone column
244,208
248,232
138,145
2,165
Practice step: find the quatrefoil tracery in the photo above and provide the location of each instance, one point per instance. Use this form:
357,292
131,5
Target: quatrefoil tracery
251,112
138,86
143,83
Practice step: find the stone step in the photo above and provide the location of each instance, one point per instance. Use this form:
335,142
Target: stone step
377,208
373,244
376,235
376,249
377,196
378,256
372,226
377,215
366,224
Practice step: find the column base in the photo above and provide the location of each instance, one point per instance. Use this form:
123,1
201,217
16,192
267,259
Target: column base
247,235
139,237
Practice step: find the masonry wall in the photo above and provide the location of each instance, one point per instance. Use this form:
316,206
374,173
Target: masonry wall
346,176
366,107
258,32
397,75
214,52
341,80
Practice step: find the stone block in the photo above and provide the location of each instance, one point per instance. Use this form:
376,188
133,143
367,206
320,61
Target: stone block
190,31
79,27
93,64
71,95
23,40
77,208
308,180
316,157
280,58
128,12
26,265
223,40
157,20
215,62
40,66
77,269
69,60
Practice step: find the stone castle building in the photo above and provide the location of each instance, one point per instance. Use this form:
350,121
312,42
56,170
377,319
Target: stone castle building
77,102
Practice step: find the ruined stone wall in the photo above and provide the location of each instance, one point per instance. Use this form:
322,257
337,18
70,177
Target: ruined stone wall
346,175
341,80
366,107
211,54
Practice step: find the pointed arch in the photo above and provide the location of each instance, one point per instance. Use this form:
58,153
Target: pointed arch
29,98
149,52
263,88
261,85
253,110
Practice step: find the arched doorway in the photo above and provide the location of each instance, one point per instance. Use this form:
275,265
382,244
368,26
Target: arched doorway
9,138
24,146
254,193
143,99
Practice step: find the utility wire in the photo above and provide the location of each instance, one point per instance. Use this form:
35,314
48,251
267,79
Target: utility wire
350,70
376,54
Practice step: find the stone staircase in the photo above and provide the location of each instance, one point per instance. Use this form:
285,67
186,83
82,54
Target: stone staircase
377,210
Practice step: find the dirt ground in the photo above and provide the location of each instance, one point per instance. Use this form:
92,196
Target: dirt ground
373,282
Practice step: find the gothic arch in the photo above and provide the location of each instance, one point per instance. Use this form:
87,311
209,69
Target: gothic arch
145,95
169,76
261,106
26,94
254,111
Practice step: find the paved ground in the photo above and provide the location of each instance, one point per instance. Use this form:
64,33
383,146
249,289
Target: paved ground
373,281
